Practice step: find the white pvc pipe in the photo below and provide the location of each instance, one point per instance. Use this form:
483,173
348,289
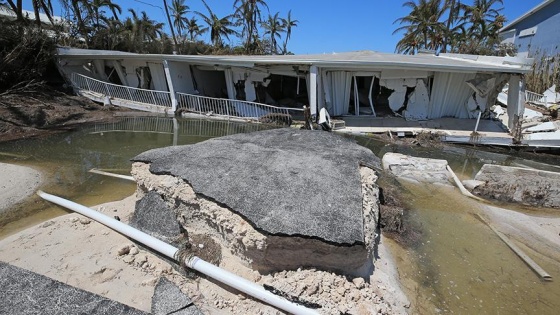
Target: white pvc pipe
462,188
127,177
195,263
246,286
477,121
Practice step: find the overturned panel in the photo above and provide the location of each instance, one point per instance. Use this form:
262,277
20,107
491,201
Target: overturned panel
284,181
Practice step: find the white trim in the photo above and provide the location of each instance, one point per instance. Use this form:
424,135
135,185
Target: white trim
528,32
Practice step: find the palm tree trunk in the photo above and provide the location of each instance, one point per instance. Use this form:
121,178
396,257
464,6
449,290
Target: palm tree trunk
17,8
36,11
170,26
447,30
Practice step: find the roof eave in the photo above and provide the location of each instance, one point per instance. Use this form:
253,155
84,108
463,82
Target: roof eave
525,15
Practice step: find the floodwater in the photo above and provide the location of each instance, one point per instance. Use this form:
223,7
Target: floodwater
65,160
458,266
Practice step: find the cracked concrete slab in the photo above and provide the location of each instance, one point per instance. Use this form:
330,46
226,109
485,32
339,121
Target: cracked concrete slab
283,181
25,292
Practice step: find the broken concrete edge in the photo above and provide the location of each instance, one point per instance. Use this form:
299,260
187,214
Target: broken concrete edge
365,176
169,299
258,229
417,169
234,171
519,185
255,248
514,169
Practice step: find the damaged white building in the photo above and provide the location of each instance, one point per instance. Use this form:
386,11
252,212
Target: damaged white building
364,83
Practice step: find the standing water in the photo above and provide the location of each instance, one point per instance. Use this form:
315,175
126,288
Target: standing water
65,159
458,266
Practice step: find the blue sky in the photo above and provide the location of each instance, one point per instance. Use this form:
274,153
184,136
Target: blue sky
325,26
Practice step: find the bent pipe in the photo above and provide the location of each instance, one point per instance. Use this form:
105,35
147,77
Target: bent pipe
193,262
462,188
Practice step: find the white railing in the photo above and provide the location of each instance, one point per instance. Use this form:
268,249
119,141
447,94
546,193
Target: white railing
115,91
535,98
232,108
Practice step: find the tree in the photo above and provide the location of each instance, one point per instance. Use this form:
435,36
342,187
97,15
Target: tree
273,27
38,6
179,10
468,29
248,15
288,24
194,29
422,26
95,9
485,22
218,26
170,25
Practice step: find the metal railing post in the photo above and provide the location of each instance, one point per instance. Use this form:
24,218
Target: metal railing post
153,97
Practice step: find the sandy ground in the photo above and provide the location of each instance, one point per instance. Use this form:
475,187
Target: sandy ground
88,255
16,184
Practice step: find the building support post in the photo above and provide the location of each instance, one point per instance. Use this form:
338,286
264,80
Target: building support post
516,105
515,99
170,86
313,90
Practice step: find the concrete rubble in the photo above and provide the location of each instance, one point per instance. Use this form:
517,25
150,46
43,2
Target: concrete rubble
168,299
26,292
290,205
520,185
416,169
253,191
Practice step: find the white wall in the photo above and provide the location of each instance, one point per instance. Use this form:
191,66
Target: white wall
130,69
210,83
181,77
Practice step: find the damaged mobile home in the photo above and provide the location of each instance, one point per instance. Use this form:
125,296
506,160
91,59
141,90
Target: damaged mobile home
364,83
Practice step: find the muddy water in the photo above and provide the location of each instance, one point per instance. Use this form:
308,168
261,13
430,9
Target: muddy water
462,267
459,265
66,158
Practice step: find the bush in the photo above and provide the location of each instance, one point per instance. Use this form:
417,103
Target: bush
25,54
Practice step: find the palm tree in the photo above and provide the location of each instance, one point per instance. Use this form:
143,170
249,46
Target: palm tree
422,26
288,24
178,10
273,27
218,26
193,28
96,11
485,22
141,31
170,25
76,10
410,43
38,5
248,14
